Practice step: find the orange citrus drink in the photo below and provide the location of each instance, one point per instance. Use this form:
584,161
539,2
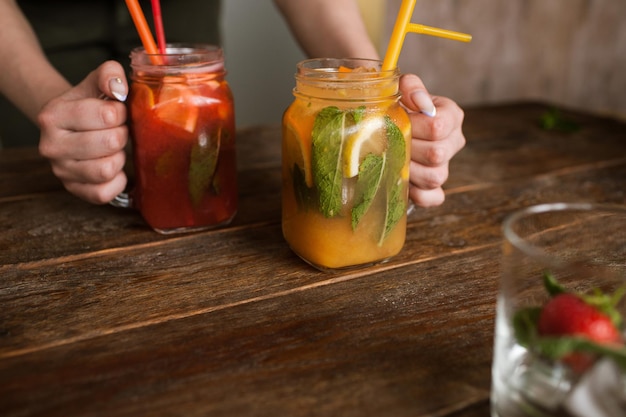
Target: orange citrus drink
345,163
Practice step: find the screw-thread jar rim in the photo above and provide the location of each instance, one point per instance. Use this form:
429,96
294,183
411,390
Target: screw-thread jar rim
180,58
321,78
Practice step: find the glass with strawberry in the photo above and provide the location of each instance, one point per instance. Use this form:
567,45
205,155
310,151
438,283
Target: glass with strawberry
182,126
559,345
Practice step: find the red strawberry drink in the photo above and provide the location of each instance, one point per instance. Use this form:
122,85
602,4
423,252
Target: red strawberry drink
183,132
560,340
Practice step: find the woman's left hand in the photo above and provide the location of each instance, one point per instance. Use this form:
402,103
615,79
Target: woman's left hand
436,127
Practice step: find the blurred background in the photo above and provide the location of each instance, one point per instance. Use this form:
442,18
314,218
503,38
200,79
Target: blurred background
261,57
567,52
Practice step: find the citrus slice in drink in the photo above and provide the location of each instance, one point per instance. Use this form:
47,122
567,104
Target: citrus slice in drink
368,138
142,99
299,154
175,106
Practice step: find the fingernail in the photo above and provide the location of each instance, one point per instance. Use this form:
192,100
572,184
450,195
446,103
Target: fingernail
118,89
424,102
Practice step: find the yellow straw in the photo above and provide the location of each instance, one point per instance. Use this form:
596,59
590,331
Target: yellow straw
403,26
442,33
398,34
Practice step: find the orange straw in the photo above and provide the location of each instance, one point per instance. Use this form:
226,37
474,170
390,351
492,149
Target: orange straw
142,28
158,25
403,26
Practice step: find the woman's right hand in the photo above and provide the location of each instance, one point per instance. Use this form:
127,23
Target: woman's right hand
84,133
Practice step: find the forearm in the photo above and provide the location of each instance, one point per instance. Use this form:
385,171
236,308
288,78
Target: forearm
328,28
28,79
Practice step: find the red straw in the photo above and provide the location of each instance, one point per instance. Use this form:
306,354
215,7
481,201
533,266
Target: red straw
158,24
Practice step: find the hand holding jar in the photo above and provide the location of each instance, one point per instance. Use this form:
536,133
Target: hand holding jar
436,130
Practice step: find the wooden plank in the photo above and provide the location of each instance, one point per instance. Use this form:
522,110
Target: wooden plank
77,296
508,142
399,343
41,226
23,171
38,227
103,317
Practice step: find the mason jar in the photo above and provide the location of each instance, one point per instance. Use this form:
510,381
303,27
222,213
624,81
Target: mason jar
345,164
182,127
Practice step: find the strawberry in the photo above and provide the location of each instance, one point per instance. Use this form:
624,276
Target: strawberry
567,314
574,328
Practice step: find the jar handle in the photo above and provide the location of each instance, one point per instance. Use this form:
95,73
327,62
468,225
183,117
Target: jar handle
123,200
410,207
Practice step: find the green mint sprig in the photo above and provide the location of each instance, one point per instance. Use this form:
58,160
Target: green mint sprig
328,136
202,166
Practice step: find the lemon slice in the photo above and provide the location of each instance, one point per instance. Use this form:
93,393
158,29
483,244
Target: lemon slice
176,106
369,138
297,153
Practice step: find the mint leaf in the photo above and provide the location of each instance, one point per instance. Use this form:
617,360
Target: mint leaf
202,165
557,348
554,120
396,149
382,172
396,208
396,198
607,304
376,172
552,285
525,325
165,163
358,114
328,134
367,185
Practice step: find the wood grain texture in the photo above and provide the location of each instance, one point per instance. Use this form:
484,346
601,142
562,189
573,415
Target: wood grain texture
404,344
101,316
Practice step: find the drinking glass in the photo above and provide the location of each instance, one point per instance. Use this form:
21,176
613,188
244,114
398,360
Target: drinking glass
182,127
345,159
559,341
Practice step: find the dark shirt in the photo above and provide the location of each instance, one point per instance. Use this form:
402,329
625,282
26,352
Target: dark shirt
77,36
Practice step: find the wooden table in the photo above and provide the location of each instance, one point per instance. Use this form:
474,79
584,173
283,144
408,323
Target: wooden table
99,316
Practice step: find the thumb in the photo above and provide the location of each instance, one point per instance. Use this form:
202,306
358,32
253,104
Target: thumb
106,81
415,96
112,80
